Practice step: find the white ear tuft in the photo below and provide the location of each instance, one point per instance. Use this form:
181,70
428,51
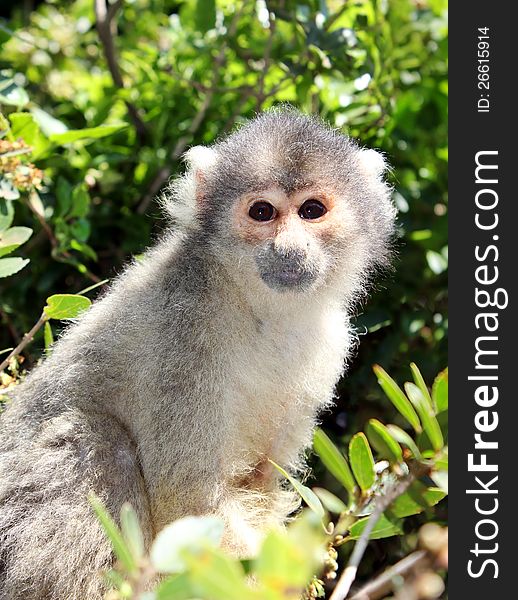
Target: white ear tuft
372,163
200,158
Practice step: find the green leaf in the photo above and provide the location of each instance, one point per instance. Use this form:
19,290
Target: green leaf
49,125
47,335
425,411
419,381
113,533
205,15
379,436
65,306
80,229
187,535
14,96
331,502
89,133
178,587
6,213
36,204
441,460
218,577
13,237
440,478
396,395
283,564
402,437
64,196
362,462
440,391
80,202
385,527
131,530
308,495
417,498
10,266
334,461
24,126
437,262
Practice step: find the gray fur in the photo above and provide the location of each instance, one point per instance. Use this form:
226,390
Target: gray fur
173,390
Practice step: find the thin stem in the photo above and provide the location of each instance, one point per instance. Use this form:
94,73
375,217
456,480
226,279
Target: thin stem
106,29
27,338
349,574
382,585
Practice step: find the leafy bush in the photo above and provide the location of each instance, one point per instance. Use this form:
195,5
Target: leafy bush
98,110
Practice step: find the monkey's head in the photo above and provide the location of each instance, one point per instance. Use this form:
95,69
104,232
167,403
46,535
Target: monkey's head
288,204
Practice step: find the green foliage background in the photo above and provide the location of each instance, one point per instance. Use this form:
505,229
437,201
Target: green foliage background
192,70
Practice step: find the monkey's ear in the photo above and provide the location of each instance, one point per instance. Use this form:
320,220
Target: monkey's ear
200,158
372,163
185,195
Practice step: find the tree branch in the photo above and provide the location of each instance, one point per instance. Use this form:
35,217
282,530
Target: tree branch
106,28
27,338
349,574
382,585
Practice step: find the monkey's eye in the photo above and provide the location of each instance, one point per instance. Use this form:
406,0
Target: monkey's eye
312,209
262,211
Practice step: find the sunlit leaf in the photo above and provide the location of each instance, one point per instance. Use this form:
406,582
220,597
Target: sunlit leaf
380,438
309,497
417,498
334,460
13,237
419,381
397,397
218,577
425,411
6,213
48,336
362,462
331,502
178,587
10,266
283,564
113,533
440,391
66,306
190,535
89,133
385,527
131,530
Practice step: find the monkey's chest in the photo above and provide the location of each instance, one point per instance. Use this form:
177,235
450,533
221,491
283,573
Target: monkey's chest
284,375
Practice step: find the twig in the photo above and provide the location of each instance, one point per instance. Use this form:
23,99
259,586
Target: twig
27,338
381,585
163,174
106,29
349,574
261,96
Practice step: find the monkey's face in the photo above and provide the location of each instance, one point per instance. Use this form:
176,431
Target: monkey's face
287,204
287,235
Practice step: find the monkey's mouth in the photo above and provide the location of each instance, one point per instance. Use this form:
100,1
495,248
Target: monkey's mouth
288,279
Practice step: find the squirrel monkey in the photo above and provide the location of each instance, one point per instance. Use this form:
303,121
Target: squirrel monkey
207,358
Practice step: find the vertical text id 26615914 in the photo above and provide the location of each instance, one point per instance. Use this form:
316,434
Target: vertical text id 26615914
483,70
